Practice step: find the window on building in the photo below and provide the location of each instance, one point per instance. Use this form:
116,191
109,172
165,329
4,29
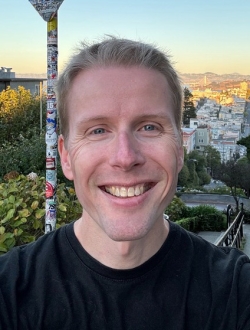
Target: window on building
37,90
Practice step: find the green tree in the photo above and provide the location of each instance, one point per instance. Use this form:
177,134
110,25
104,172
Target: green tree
183,176
244,167
232,174
213,159
245,142
193,176
189,110
19,114
200,167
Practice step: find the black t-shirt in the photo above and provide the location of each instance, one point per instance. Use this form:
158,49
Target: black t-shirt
189,284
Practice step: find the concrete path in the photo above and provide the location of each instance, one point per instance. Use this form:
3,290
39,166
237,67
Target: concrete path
210,236
213,236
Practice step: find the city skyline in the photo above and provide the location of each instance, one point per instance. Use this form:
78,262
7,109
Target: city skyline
200,37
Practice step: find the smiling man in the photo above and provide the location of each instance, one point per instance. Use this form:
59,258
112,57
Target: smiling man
123,150
122,265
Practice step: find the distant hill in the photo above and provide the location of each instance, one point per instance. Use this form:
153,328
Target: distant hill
31,75
213,80
210,77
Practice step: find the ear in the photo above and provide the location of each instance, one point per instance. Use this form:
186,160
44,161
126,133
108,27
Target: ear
180,158
65,158
180,161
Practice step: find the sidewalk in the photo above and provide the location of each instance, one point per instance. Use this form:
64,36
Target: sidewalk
213,236
210,236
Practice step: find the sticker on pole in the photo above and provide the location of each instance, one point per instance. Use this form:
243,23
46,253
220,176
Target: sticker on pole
46,8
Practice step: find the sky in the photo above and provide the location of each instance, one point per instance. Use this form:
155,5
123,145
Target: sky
200,35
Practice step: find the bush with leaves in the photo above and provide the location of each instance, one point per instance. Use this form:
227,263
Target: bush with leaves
199,218
24,155
190,224
19,112
176,209
208,218
27,155
22,210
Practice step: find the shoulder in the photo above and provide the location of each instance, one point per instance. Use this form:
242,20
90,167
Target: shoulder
23,256
206,254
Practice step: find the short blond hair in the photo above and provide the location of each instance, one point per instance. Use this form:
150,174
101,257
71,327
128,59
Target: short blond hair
123,52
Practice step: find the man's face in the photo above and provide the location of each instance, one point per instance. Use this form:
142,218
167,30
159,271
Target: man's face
124,151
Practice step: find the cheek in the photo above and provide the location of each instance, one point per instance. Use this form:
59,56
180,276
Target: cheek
87,164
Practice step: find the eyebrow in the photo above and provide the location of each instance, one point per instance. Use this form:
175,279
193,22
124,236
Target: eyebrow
87,120
145,117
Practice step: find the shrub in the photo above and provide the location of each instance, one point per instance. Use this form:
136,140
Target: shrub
24,156
195,219
176,209
208,218
247,216
189,224
22,210
19,111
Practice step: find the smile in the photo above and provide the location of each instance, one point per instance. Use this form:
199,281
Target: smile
127,191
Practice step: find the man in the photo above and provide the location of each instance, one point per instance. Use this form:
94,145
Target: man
122,265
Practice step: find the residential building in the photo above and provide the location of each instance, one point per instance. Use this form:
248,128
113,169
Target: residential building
188,135
9,79
202,138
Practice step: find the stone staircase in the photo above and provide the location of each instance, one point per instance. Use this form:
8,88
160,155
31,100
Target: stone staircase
213,236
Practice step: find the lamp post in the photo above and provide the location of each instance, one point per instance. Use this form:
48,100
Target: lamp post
48,10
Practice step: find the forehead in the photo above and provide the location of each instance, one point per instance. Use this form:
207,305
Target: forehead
105,89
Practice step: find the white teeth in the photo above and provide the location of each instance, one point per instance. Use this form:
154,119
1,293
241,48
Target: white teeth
126,192
131,192
123,192
137,191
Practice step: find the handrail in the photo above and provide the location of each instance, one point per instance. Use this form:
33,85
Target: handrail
233,235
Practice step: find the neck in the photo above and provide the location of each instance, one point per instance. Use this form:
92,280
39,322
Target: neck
122,254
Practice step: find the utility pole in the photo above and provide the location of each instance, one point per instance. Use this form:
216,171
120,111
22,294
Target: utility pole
48,9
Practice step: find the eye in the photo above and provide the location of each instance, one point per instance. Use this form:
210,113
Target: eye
149,127
98,131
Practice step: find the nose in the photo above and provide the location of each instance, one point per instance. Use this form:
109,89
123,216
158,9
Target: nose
126,152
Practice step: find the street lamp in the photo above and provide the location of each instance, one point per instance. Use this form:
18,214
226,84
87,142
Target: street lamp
48,10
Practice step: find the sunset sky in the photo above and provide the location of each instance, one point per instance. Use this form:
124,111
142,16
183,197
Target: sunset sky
201,36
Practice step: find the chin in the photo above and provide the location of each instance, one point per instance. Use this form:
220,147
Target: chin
126,234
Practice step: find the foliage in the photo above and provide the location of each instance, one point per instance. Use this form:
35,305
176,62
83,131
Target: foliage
245,142
223,190
212,159
189,110
24,155
22,210
235,174
195,219
209,222
183,176
194,172
247,216
193,176
244,182
204,177
176,209
208,218
19,111
188,224
199,218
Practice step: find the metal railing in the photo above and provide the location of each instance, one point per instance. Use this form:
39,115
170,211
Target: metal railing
234,234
